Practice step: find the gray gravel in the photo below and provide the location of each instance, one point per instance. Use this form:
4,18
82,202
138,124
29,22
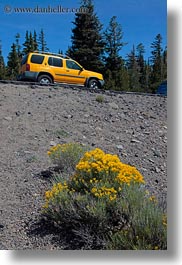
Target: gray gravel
33,118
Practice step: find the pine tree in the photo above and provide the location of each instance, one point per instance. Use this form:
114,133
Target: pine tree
30,43
26,44
42,42
87,44
35,44
147,74
164,64
18,50
60,51
2,64
133,71
141,63
118,79
113,36
17,42
116,76
156,58
13,63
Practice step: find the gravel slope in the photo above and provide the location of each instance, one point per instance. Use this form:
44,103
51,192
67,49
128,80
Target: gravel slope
33,118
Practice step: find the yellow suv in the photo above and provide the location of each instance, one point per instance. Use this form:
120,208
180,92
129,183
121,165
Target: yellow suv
46,68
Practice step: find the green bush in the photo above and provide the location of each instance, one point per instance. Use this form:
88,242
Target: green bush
104,205
66,156
100,99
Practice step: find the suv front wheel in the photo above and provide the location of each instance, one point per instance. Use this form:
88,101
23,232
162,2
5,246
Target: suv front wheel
44,79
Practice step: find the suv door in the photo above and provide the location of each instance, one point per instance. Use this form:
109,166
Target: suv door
56,65
74,73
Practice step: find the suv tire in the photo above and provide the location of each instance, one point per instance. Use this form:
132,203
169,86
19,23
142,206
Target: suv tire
93,83
45,79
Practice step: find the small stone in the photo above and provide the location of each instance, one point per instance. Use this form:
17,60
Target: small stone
157,170
120,147
52,143
8,118
157,153
17,113
1,226
135,141
113,105
98,128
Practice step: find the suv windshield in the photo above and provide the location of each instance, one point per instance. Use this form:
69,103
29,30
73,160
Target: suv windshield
72,65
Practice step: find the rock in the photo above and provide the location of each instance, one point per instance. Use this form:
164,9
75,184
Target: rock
157,153
135,141
98,129
120,147
1,226
17,113
52,143
113,105
157,170
8,118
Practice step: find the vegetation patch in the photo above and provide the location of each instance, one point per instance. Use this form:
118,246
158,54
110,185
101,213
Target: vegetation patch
103,204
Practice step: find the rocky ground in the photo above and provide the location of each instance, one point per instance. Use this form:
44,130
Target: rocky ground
33,118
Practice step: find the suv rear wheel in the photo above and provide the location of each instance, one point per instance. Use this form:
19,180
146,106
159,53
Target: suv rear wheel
93,83
45,79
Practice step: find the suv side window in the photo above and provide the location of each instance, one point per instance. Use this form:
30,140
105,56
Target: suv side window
55,62
38,59
72,65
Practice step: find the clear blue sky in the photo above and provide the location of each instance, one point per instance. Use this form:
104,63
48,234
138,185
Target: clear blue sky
141,21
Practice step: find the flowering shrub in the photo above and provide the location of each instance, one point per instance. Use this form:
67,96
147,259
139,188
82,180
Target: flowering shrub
103,174
104,205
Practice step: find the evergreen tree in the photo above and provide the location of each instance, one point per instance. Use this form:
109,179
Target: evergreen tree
17,42
87,44
164,64
35,44
2,64
141,63
133,71
116,76
147,74
156,58
118,79
42,42
26,44
13,63
18,49
60,51
113,44
30,43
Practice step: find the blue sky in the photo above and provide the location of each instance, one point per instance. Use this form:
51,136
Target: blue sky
141,21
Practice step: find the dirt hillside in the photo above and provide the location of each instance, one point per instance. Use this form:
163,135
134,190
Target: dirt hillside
33,118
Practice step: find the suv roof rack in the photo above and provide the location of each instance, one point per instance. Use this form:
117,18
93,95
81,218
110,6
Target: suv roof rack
55,54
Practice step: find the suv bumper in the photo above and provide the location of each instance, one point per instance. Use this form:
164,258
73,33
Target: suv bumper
28,75
101,82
